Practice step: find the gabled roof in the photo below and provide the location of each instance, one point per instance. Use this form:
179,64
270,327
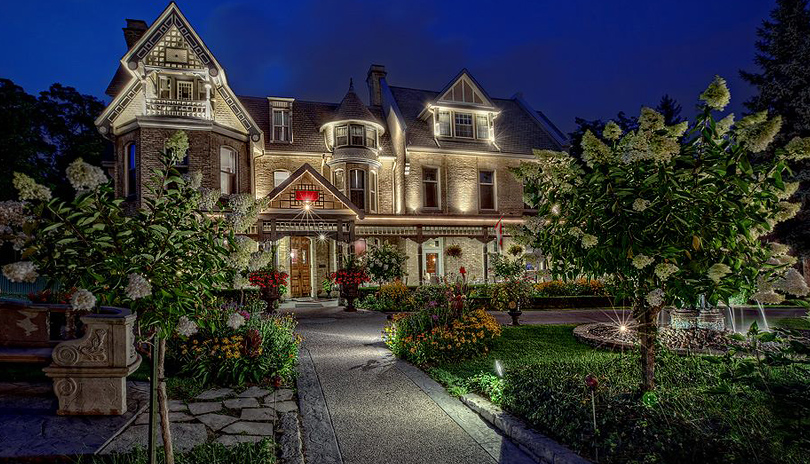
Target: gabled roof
170,19
352,108
477,92
306,168
516,130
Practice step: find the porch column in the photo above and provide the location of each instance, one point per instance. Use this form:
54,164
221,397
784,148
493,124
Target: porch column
486,264
419,265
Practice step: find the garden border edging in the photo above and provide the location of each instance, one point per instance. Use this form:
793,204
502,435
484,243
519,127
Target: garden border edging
541,447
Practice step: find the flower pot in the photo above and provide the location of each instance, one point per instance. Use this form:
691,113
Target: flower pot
89,374
515,315
349,292
270,295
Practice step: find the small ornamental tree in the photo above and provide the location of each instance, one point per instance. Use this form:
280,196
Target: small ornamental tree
668,213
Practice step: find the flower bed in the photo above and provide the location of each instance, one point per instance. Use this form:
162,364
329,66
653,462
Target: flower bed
233,345
432,335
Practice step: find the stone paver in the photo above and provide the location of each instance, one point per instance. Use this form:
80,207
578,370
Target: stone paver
177,405
215,394
250,428
258,414
253,392
184,438
377,412
239,403
282,406
216,421
282,394
204,408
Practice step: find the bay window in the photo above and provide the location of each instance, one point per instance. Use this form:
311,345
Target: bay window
372,191
227,170
341,136
339,181
131,185
357,187
358,135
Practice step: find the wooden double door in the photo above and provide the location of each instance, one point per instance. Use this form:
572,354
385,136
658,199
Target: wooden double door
300,267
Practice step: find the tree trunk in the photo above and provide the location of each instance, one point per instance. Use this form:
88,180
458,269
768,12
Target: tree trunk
153,403
647,334
164,403
806,269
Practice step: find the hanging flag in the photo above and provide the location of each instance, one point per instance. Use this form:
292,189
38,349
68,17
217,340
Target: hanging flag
499,233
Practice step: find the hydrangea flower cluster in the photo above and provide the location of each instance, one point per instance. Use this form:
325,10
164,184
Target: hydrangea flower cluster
186,327
664,270
640,204
242,249
22,271
12,219
209,198
640,261
83,176
655,298
756,131
612,131
28,189
717,95
798,149
138,287
589,241
235,321
82,300
241,282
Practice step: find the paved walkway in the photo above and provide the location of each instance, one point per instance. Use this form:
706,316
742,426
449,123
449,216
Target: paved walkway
361,405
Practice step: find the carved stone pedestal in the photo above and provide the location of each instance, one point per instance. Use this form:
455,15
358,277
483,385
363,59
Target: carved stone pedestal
89,374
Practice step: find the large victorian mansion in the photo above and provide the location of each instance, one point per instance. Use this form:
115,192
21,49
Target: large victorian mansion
422,169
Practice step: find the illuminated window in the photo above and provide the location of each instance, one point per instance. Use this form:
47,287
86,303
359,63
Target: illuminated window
184,90
430,181
486,190
164,87
227,170
131,185
358,135
371,137
339,180
444,124
281,125
372,191
482,127
341,136
357,187
279,177
464,125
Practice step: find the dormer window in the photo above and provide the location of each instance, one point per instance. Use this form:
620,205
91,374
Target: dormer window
444,124
355,135
482,127
464,125
281,125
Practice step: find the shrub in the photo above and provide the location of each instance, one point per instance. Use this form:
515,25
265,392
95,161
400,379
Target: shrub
391,297
234,346
430,296
385,263
433,335
511,295
579,287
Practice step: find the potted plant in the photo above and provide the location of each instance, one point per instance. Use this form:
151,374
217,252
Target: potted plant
511,296
270,282
349,277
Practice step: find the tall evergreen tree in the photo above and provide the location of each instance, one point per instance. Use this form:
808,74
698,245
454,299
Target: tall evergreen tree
670,109
783,82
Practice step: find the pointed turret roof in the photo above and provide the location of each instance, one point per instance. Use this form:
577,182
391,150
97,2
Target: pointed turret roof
352,108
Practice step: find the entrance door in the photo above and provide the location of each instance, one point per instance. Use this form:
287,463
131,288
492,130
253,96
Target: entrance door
300,284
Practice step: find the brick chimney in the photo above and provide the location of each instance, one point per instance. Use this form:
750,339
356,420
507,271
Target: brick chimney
375,73
134,31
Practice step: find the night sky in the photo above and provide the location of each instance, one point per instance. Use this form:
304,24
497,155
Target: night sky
570,58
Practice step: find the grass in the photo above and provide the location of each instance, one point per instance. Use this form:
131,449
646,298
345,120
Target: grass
262,452
695,415
794,323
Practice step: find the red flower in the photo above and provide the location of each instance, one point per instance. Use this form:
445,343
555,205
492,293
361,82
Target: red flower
462,270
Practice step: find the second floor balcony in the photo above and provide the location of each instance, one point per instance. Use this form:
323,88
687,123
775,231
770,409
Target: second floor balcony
200,109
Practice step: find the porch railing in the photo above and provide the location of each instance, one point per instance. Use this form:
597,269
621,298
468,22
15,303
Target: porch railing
182,108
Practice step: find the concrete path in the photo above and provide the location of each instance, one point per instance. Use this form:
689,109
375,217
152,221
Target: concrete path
361,405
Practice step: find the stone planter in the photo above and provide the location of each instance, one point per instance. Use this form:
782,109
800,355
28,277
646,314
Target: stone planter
89,374
270,295
683,319
349,292
711,319
515,315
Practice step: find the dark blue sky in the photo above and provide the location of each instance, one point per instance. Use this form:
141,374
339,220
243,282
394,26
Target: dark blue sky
570,58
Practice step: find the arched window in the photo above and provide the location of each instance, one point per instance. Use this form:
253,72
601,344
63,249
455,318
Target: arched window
339,181
357,187
280,176
131,178
372,191
227,170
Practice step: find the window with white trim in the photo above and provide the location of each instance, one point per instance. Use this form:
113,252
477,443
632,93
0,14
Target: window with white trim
371,137
358,135
372,191
184,90
444,124
341,136
164,87
357,188
482,127
280,176
486,190
281,125
227,170
339,180
430,185
464,125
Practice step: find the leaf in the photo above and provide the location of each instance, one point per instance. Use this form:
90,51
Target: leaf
695,242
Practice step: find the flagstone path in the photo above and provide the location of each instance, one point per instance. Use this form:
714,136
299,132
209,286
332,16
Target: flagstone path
361,405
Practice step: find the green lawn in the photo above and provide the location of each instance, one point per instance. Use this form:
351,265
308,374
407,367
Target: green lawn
794,323
695,415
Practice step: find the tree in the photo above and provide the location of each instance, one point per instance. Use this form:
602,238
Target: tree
41,136
783,84
665,213
670,110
